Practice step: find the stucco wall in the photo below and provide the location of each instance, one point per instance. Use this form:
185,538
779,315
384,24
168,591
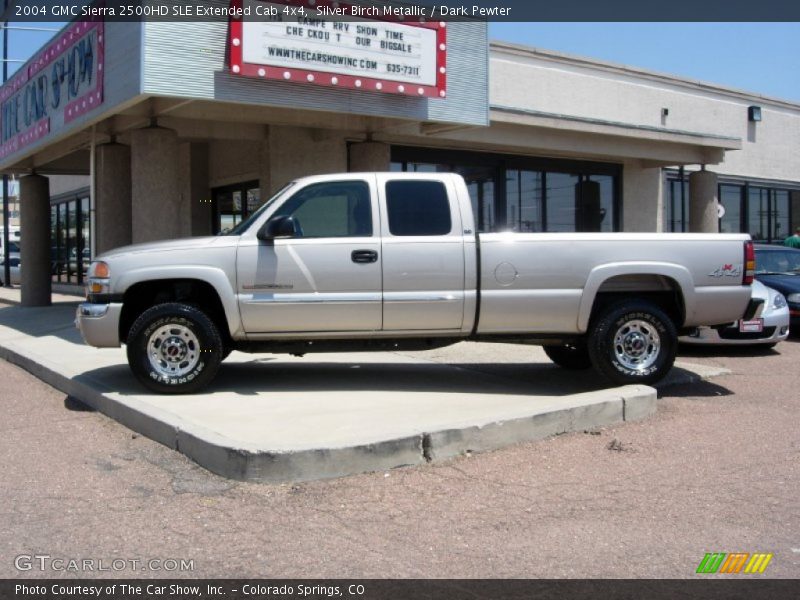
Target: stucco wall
550,82
298,151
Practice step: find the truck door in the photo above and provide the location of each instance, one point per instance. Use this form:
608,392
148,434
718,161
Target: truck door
423,254
326,277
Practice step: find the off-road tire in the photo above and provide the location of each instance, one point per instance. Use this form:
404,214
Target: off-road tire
633,342
188,333
570,356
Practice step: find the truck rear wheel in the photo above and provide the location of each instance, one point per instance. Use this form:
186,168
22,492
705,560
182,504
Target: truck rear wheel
569,356
633,342
174,348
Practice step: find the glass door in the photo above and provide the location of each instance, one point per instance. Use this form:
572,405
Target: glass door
233,204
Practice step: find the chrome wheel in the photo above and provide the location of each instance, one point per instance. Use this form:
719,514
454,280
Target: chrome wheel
173,350
637,345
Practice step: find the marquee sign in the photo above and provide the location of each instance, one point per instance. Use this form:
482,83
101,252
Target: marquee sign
61,83
309,41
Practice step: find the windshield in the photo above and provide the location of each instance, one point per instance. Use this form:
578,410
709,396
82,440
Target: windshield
777,261
245,225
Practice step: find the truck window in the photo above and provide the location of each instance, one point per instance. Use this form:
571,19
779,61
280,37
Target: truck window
417,208
331,209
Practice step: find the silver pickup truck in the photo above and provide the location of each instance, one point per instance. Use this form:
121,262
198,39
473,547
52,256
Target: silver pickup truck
381,261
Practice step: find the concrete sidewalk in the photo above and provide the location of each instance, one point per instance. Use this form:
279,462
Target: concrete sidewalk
275,418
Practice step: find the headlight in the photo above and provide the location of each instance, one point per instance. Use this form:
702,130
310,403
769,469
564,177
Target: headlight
779,301
795,298
99,269
98,281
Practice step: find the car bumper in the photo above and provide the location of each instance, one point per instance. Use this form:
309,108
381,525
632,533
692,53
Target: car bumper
99,324
776,329
794,315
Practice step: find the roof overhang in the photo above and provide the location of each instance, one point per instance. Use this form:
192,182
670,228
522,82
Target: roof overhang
517,116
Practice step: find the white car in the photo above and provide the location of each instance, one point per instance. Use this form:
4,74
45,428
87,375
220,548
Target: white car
769,326
15,269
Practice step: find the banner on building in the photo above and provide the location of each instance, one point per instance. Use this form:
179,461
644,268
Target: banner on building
61,83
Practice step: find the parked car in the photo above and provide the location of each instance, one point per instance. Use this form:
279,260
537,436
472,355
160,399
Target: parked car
15,269
768,326
778,267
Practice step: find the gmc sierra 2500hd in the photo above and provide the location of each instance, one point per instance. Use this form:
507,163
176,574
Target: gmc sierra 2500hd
393,260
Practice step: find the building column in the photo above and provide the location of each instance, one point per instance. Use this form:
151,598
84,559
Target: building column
369,156
703,216
155,195
642,198
195,191
112,197
299,151
34,192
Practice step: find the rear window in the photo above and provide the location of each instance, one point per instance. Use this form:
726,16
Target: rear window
417,208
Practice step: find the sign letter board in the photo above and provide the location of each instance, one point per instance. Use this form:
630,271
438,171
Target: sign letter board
325,45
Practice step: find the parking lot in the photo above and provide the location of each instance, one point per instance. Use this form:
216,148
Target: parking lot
715,470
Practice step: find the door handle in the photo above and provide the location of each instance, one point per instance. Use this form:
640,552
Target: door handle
364,256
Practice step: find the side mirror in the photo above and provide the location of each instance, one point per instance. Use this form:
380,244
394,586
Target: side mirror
277,227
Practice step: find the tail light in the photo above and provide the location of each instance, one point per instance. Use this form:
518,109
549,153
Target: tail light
749,263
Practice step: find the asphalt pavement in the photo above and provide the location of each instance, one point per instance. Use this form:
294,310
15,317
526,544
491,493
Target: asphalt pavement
716,470
276,419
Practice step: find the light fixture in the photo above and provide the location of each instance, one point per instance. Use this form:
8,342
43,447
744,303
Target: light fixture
664,112
754,113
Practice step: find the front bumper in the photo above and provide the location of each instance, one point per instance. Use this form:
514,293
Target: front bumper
99,323
776,329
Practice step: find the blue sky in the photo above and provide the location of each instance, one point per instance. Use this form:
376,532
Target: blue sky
758,57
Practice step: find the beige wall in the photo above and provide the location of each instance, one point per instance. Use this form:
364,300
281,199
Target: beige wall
549,82
299,151
234,161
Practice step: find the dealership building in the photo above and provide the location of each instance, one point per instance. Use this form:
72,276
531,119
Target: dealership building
123,132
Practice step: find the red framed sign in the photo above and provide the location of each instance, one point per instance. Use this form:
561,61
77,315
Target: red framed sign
321,42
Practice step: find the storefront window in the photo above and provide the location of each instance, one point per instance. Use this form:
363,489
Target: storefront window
70,235
524,204
676,206
481,184
758,213
781,228
526,194
763,211
606,190
730,196
561,199
233,204
62,243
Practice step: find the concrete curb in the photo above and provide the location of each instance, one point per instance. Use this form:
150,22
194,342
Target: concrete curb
244,462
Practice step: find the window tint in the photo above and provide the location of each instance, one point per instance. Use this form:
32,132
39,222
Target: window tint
418,208
337,209
777,261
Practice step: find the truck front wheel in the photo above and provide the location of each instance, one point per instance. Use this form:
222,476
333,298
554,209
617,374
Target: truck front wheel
174,348
633,342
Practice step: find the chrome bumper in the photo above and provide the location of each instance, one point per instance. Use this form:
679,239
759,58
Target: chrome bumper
99,324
